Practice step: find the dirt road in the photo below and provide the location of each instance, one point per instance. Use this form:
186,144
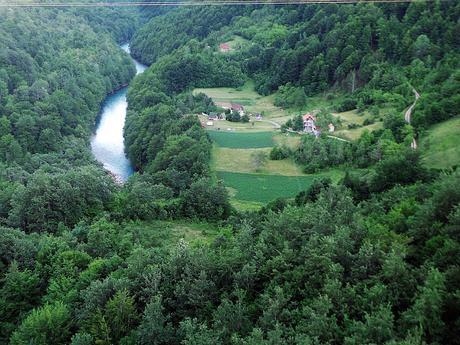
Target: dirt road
408,114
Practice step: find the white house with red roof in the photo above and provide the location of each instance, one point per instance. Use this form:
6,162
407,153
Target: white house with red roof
309,123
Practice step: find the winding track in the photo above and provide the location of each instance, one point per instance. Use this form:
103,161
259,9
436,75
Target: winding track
408,114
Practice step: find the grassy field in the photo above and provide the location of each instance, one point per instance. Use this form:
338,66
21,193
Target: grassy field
238,42
291,140
240,160
251,186
242,140
264,188
223,125
440,146
249,98
354,134
353,117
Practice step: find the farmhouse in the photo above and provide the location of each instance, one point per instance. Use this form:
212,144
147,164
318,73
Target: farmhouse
233,107
238,108
309,125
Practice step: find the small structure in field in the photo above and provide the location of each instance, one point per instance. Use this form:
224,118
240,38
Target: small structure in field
331,128
210,123
258,117
224,48
214,117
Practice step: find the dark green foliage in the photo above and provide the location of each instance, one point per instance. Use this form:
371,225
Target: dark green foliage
316,154
403,169
312,193
155,328
233,117
176,29
289,96
206,200
280,152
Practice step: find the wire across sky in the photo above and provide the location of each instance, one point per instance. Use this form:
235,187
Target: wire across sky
196,3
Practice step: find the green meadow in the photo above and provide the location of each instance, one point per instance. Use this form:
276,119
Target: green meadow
441,145
237,140
264,188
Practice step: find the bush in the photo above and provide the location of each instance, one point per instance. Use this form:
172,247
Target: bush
353,126
311,194
347,104
279,152
368,122
206,200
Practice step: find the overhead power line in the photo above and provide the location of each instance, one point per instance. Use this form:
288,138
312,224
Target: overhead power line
200,3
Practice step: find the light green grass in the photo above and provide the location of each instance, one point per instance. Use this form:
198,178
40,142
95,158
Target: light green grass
240,160
238,42
440,146
352,116
355,134
242,140
291,140
169,233
265,188
248,97
223,125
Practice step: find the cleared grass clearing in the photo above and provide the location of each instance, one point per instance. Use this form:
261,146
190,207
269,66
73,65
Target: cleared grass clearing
240,160
441,145
352,116
248,97
238,42
167,233
290,140
224,125
242,140
354,134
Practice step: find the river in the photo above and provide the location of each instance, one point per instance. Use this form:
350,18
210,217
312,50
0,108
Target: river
107,144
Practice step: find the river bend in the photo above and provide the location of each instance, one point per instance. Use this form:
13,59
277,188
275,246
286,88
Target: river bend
107,144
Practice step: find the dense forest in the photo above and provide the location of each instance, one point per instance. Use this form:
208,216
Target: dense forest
372,259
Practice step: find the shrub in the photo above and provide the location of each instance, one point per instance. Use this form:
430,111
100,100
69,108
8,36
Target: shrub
280,152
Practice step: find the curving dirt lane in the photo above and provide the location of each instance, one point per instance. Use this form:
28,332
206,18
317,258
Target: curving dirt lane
408,114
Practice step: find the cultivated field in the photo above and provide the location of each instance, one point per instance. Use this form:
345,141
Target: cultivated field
238,140
252,184
441,145
264,188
